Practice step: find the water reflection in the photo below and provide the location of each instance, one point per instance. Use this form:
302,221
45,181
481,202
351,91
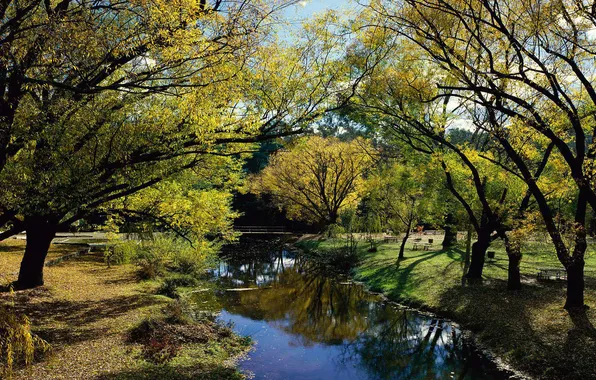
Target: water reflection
314,327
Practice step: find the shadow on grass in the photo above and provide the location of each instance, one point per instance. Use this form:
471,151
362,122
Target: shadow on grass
508,322
206,372
397,273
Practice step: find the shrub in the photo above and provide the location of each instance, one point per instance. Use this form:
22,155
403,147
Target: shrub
162,350
163,252
150,266
17,343
333,231
171,284
337,259
124,252
159,344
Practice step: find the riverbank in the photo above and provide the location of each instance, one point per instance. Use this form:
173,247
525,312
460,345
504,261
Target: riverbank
88,314
528,330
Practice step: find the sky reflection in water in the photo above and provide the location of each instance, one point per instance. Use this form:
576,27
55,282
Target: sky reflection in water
315,327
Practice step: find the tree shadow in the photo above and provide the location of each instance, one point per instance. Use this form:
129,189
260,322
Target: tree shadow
79,316
199,371
397,273
508,323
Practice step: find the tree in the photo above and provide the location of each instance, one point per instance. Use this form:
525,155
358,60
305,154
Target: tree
398,192
106,100
316,177
401,96
524,65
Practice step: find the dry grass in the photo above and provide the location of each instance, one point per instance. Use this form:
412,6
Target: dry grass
85,312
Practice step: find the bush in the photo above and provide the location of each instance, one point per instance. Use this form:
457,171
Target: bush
172,283
163,252
124,252
191,260
159,344
150,266
17,344
333,231
337,259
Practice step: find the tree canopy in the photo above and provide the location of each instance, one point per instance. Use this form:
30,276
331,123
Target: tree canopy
316,177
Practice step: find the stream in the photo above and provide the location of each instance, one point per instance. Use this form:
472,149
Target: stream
315,326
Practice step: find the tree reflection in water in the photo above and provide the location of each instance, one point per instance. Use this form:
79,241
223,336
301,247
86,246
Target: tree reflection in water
360,335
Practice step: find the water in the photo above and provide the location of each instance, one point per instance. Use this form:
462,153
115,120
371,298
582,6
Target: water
316,327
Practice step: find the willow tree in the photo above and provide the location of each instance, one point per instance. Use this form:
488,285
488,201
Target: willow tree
525,64
110,99
316,177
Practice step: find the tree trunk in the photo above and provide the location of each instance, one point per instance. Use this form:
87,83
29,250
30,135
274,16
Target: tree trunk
478,252
403,244
450,233
40,233
575,285
575,265
514,254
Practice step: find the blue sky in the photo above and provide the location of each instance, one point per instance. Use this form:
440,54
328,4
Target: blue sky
307,8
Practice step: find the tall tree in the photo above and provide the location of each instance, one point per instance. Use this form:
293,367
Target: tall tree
316,177
402,96
109,99
526,64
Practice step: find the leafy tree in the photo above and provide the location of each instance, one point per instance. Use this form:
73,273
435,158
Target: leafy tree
402,96
523,66
104,100
399,194
316,177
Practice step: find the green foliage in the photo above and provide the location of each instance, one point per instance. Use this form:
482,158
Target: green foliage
124,252
333,231
165,253
341,257
170,284
348,219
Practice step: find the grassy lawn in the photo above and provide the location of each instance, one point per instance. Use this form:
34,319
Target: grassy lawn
528,329
86,312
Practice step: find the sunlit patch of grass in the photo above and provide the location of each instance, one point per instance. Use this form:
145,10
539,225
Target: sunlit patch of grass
529,328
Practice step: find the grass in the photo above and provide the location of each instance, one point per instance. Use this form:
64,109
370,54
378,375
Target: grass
86,312
528,329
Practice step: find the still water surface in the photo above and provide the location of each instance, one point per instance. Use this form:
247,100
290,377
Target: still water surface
309,326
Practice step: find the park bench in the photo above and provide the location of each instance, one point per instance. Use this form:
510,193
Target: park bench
556,274
390,239
560,274
417,244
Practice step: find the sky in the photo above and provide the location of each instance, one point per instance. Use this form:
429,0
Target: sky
307,8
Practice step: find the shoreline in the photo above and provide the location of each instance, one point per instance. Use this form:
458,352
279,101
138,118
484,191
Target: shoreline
470,337
87,313
525,334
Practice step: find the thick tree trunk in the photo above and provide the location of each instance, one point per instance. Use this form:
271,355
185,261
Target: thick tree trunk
575,265
575,285
478,253
40,233
450,233
513,276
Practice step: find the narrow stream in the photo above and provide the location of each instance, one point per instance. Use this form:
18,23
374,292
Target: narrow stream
310,326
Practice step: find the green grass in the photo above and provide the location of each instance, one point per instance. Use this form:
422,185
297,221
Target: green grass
528,329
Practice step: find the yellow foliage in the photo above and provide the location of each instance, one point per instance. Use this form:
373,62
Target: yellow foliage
316,177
